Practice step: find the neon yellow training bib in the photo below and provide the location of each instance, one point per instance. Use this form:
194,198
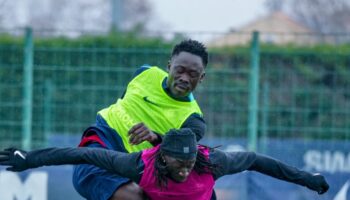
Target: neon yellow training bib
146,101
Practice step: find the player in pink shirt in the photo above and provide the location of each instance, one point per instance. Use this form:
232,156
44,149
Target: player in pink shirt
176,169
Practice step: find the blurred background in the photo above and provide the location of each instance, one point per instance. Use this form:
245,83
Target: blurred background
278,82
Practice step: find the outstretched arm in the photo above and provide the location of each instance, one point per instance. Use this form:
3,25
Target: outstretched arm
280,170
116,162
234,162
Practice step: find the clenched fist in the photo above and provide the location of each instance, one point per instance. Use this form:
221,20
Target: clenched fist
14,158
318,183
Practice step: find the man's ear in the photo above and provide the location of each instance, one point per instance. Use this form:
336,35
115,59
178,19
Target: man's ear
202,77
169,65
162,157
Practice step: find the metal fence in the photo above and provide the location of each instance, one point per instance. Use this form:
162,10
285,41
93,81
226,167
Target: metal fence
254,93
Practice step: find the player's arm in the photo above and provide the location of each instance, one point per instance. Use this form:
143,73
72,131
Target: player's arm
116,162
196,123
234,162
140,132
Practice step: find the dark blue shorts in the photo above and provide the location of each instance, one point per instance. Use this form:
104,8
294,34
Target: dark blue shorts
90,181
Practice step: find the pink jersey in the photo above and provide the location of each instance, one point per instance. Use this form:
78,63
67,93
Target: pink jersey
196,187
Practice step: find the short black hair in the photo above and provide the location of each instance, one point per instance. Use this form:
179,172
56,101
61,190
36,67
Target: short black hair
193,47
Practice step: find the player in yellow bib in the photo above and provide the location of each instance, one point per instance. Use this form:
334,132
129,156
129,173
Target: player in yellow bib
154,102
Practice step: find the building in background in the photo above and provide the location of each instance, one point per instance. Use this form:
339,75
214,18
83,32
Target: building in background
276,28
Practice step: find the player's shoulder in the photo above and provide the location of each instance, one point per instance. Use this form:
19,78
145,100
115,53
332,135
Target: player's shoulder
142,69
146,68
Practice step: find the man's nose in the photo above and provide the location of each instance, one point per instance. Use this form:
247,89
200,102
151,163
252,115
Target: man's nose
184,172
185,78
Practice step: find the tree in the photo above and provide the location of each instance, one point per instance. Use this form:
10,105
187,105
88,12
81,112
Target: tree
274,5
78,15
323,16
137,13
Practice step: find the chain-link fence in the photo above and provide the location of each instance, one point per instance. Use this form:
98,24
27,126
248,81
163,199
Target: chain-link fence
56,90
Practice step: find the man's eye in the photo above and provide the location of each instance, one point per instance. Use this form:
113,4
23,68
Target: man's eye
194,74
180,70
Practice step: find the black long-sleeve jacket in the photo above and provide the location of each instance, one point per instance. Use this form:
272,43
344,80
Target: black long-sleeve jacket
131,165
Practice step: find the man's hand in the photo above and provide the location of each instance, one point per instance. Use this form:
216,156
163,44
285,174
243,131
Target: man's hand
14,158
318,183
140,132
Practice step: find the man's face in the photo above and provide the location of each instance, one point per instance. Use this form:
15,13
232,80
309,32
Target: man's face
186,70
178,169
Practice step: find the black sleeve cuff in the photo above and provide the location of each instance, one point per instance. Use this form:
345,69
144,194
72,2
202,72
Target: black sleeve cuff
158,140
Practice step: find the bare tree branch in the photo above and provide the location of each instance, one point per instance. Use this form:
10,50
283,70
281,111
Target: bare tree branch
320,15
77,15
